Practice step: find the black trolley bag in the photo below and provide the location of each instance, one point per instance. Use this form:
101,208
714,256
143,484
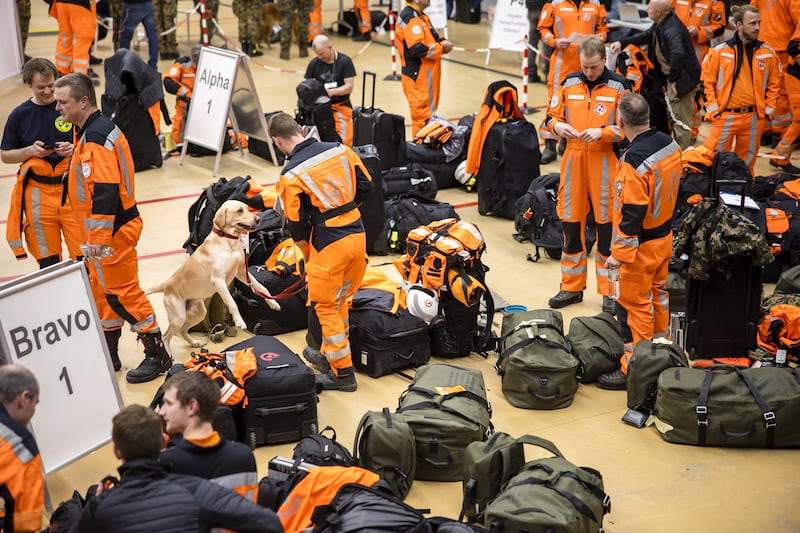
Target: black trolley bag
260,319
382,341
385,130
446,407
727,406
373,211
722,313
413,178
281,395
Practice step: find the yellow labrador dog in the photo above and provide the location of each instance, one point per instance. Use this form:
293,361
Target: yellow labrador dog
211,268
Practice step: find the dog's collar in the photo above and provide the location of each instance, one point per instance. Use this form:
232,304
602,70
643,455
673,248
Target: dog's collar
223,234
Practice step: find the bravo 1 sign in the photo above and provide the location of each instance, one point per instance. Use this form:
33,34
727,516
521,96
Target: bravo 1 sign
49,324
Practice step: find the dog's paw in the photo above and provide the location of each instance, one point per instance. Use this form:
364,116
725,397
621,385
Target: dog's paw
197,344
240,324
272,304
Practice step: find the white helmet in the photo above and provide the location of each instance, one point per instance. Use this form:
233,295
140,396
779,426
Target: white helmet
422,303
461,173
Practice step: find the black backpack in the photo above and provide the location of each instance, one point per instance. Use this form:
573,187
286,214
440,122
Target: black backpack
320,450
314,109
537,219
409,212
509,162
202,211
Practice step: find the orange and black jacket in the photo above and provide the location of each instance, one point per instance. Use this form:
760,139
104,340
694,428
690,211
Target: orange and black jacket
100,185
425,44
21,477
321,187
499,102
179,79
646,187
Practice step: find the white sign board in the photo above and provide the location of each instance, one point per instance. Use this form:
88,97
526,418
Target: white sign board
49,324
510,26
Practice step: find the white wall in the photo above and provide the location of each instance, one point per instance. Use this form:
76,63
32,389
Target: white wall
11,58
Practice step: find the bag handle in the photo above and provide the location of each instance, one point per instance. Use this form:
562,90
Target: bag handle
770,420
541,443
360,434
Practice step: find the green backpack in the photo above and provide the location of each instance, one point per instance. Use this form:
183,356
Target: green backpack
446,408
218,321
647,362
487,467
550,495
789,281
536,362
597,344
384,443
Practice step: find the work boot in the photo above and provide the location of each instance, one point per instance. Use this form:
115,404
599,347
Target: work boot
94,60
317,360
345,381
156,359
788,168
549,154
615,380
362,37
609,305
112,341
303,51
533,77
284,54
94,77
246,47
565,298
562,146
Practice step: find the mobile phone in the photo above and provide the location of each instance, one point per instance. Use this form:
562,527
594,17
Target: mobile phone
48,147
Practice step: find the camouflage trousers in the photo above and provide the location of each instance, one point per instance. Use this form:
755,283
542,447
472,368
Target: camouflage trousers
24,11
166,11
288,9
115,8
249,13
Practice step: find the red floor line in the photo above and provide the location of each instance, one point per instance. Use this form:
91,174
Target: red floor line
7,176
467,204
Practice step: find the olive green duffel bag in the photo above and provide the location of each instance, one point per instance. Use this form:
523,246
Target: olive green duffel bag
596,342
536,362
648,361
727,406
446,408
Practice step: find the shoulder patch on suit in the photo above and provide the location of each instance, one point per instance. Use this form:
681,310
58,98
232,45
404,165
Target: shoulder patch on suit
554,101
416,30
86,170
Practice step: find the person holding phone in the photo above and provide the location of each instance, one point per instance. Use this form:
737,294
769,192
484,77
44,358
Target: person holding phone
36,137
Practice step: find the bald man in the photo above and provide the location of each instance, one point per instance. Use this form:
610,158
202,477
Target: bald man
336,72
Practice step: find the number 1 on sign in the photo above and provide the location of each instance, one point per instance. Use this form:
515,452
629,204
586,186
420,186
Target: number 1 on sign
63,376
209,107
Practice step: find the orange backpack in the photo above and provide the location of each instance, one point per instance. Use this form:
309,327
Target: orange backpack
229,370
780,329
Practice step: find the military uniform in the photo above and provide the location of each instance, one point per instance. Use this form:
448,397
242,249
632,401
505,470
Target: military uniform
24,13
249,13
288,9
166,11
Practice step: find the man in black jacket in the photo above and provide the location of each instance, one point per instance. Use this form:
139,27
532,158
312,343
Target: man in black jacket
149,498
676,73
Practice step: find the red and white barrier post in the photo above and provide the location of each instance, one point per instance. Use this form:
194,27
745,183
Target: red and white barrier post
203,22
393,46
525,57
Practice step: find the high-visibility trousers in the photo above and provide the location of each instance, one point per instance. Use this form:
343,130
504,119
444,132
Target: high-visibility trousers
46,220
343,116
422,95
333,275
315,21
361,7
587,181
790,136
115,284
643,310
76,28
743,128
179,121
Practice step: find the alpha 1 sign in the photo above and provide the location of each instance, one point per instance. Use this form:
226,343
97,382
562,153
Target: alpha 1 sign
49,324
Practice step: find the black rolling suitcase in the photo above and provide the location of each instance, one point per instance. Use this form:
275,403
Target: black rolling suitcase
373,212
382,342
260,319
722,314
385,130
281,396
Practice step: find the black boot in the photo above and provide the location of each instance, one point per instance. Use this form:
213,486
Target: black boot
112,341
549,154
344,381
156,359
246,47
317,360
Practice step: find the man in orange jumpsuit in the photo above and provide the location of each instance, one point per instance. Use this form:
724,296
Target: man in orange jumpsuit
742,78
21,477
179,80
646,187
100,189
36,137
779,18
361,7
562,25
421,51
583,111
77,20
319,190
704,19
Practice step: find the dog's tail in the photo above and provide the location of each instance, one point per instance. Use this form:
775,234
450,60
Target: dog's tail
155,289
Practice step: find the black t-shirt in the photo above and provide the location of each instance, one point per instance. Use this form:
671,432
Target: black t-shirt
29,122
341,68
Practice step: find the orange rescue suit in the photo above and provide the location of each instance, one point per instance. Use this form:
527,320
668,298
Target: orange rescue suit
21,476
100,189
646,188
179,80
586,170
77,20
708,16
420,58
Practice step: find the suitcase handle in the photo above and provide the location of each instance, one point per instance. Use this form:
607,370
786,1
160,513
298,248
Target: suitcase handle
287,409
364,91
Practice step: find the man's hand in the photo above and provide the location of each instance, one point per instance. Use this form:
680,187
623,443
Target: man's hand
93,251
615,47
447,46
613,264
563,129
590,135
692,30
562,43
64,148
38,149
